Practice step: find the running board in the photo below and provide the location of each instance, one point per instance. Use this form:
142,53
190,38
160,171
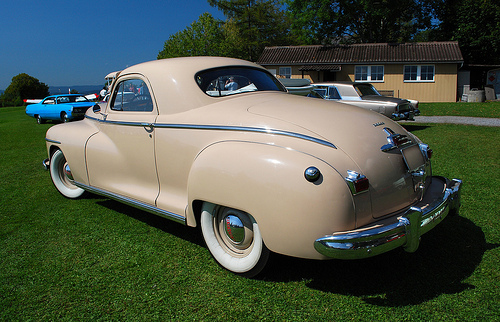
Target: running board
134,203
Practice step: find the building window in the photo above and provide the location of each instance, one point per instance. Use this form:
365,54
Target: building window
369,73
286,72
427,73
377,73
419,73
361,73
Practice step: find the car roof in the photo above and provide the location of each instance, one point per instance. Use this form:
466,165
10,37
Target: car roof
64,95
173,83
183,65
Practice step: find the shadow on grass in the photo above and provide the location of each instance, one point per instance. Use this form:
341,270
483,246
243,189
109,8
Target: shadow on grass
413,127
447,255
193,235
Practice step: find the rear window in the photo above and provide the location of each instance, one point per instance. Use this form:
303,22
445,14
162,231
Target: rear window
226,81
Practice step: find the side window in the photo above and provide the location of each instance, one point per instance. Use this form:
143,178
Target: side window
62,99
321,90
49,101
333,93
132,95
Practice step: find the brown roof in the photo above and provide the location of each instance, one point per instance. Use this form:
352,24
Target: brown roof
447,52
321,67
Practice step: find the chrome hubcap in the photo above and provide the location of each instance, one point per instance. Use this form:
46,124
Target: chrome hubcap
67,171
234,229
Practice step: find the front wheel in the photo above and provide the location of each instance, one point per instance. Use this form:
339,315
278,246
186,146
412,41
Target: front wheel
64,117
39,119
234,240
60,174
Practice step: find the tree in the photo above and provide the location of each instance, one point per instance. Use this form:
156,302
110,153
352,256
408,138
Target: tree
358,21
23,86
205,37
474,24
260,23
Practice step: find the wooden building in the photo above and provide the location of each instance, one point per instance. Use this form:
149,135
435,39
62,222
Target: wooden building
422,71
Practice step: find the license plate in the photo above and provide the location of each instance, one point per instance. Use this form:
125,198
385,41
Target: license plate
414,159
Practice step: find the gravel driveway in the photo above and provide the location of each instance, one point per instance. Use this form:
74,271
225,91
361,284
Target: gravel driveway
480,121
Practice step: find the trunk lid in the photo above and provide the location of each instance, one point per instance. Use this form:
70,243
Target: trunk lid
360,134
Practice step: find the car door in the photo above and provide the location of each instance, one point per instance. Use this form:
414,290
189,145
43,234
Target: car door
48,108
121,156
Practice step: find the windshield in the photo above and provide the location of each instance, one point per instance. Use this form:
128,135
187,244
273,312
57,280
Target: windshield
234,80
366,89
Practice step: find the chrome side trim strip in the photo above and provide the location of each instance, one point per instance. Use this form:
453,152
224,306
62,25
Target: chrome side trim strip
220,128
92,118
245,129
52,141
134,203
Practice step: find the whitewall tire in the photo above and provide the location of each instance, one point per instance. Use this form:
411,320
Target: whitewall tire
61,176
234,240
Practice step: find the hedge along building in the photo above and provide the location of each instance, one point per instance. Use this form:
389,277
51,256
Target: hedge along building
427,72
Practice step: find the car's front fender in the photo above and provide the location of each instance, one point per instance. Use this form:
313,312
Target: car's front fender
268,182
71,139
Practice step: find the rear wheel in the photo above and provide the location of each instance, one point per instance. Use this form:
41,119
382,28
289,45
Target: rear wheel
62,178
234,240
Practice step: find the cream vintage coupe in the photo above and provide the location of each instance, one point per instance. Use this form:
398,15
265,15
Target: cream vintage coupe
219,143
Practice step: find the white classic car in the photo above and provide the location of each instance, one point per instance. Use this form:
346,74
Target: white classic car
258,169
364,95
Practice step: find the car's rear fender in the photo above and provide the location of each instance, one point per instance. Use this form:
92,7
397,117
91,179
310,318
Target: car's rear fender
268,182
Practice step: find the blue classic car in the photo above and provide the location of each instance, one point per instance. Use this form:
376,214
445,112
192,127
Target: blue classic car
60,107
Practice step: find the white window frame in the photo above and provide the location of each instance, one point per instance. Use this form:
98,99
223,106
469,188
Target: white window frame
369,73
419,74
285,72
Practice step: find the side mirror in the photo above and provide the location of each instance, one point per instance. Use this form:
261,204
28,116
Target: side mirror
96,108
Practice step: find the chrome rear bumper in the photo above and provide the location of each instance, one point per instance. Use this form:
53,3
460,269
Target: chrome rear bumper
442,197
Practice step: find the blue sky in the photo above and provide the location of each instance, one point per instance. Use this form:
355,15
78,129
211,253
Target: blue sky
79,42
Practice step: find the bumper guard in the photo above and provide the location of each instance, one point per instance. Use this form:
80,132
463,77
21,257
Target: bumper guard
46,164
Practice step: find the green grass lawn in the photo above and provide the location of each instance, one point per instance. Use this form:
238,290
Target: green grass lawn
96,259
487,109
